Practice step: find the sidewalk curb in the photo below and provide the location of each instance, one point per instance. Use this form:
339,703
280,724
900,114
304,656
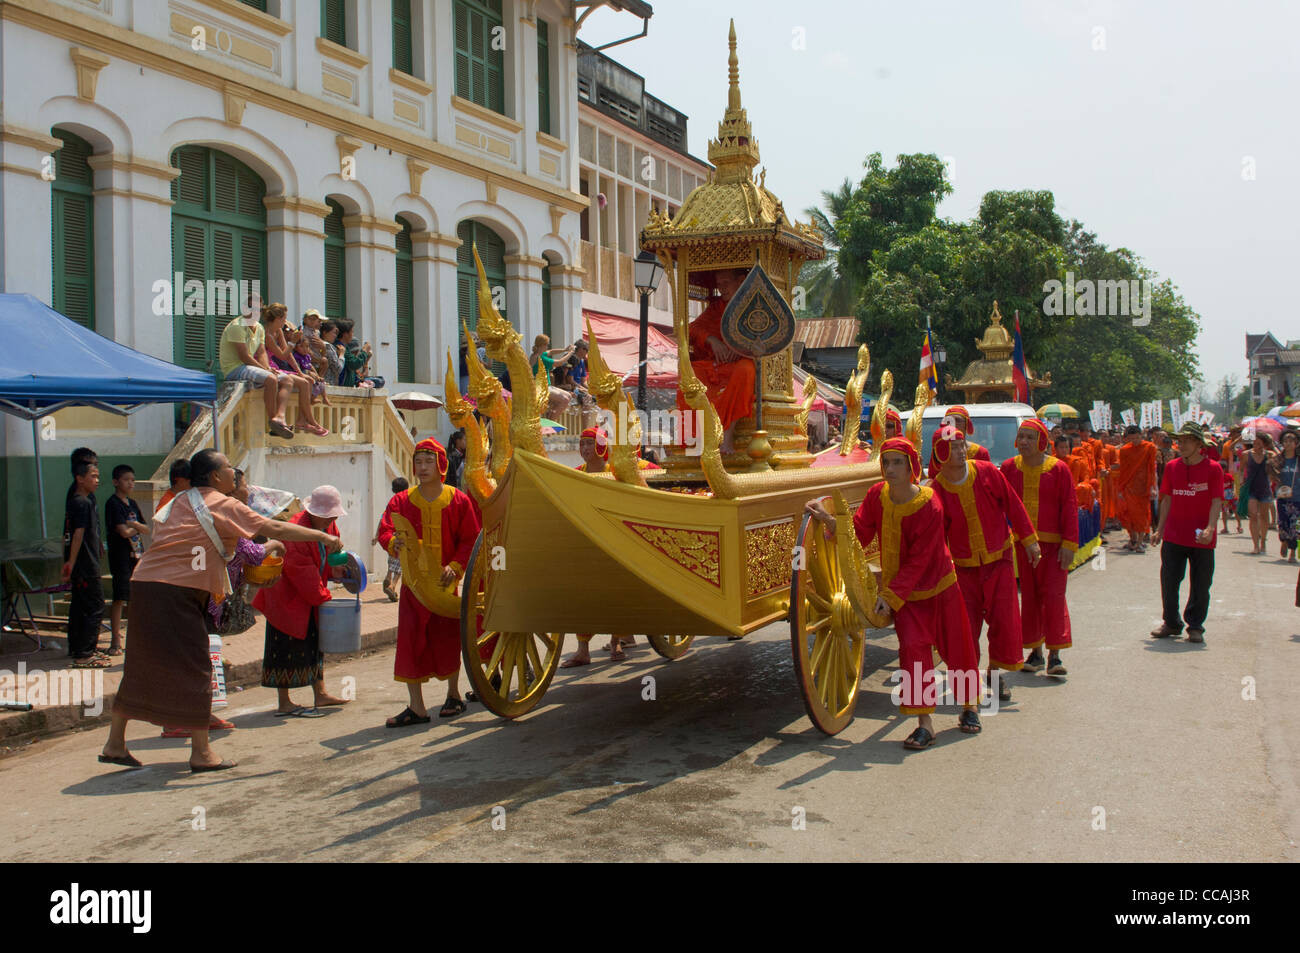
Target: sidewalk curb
28,727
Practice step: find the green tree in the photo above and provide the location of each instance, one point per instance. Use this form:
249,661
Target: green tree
829,287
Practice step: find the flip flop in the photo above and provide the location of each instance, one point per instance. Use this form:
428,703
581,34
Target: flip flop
574,663
280,430
221,725
126,760
307,713
969,722
451,708
223,766
92,661
292,713
618,655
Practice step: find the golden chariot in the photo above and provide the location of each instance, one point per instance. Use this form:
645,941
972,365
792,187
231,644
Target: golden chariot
714,545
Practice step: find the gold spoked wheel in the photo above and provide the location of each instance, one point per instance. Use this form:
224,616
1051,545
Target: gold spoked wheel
826,635
509,671
671,646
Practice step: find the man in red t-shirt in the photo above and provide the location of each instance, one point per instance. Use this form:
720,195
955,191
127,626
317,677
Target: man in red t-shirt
1191,496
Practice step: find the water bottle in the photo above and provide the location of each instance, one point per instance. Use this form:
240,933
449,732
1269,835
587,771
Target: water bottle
218,672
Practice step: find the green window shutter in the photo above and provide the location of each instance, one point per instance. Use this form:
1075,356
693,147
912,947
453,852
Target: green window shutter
218,235
480,69
543,77
72,231
336,296
492,251
405,305
403,60
333,21
255,4
546,300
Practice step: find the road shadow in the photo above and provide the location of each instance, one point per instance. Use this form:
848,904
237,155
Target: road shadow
596,730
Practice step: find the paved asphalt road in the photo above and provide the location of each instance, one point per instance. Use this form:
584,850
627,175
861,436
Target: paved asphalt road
723,763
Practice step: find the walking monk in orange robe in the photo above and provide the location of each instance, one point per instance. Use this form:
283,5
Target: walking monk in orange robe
1135,482
728,376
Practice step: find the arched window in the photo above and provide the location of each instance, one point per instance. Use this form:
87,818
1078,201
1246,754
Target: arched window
72,227
492,251
218,238
336,280
405,305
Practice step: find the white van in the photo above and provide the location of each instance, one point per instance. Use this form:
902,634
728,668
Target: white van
995,427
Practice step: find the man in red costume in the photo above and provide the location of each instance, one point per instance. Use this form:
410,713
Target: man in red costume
958,417
893,427
981,513
1046,486
727,375
432,528
917,585
1134,478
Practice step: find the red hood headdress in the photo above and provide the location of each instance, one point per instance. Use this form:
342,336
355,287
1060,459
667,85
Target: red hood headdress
429,445
904,446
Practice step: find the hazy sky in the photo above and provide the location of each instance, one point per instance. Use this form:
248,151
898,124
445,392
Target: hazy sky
1148,141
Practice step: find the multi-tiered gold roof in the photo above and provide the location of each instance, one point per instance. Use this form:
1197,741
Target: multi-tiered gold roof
991,378
733,206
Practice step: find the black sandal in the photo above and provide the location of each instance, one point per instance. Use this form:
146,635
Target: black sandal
407,717
921,738
969,722
451,708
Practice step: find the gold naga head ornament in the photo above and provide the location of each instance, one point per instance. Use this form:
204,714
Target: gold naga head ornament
853,401
496,333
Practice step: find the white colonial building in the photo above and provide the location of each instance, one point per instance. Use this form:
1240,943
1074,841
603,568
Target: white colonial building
343,153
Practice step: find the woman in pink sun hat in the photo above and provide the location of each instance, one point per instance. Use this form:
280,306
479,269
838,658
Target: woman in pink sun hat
292,657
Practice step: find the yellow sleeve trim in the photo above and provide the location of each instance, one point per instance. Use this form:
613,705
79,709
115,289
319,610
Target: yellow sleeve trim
921,595
892,599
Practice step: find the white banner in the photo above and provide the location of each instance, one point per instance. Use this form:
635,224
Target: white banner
1147,412
1175,417
1157,413
1128,417
1193,413
1207,418
1094,416
1107,420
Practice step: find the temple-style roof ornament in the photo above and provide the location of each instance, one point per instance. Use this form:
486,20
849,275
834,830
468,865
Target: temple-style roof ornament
733,204
990,378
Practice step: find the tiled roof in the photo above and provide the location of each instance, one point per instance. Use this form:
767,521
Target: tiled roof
826,332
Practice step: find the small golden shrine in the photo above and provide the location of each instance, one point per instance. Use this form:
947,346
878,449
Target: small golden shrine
990,379
733,221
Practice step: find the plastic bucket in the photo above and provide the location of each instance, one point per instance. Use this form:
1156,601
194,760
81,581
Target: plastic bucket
339,625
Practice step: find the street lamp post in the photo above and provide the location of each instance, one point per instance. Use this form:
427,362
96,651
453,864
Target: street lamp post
940,359
647,272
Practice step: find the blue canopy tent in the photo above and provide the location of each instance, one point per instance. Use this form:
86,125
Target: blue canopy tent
49,362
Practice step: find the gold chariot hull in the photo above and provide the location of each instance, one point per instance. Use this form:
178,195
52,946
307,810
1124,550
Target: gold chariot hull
581,553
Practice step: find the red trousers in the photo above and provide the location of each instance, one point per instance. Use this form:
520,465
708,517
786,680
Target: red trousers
936,623
1044,616
989,592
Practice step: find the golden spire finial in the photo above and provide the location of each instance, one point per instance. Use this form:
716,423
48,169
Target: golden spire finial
733,71
997,315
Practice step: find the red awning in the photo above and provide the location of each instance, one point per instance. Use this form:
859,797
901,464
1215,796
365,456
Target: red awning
619,340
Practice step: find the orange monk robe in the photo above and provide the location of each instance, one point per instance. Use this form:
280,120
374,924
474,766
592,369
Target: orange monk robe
1134,481
1112,459
730,386
1079,471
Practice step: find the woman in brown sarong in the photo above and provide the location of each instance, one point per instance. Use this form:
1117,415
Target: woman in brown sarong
168,675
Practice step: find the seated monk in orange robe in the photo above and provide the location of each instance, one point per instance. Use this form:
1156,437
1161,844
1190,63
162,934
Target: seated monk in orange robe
1134,478
728,377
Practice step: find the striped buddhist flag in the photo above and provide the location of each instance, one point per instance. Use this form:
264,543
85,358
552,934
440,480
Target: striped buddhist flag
1019,372
929,373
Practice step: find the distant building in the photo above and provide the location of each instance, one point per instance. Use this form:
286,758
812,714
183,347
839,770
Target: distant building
632,152
1273,369
827,348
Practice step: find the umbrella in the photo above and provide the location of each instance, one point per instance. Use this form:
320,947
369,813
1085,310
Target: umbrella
556,426
1268,425
1293,410
1059,411
414,400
